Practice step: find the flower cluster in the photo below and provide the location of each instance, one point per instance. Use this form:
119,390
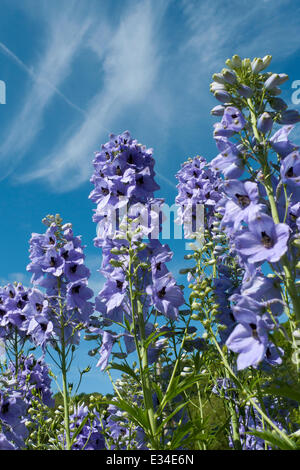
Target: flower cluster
90,436
128,215
33,380
199,185
260,199
14,299
57,265
12,419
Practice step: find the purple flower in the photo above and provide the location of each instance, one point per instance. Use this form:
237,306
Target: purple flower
265,123
264,241
280,142
249,339
167,297
233,119
229,160
243,202
290,169
108,341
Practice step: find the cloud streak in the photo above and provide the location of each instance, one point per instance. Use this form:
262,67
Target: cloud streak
130,66
65,35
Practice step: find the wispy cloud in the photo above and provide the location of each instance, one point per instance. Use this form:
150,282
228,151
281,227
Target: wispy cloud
218,30
130,65
64,37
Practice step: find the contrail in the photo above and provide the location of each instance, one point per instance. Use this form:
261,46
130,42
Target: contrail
37,78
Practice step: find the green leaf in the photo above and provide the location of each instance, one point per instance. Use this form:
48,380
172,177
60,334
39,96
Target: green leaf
79,429
275,440
136,414
125,368
180,435
168,418
283,390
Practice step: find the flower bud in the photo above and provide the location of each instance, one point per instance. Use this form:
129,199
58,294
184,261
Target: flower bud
218,77
214,86
257,65
236,61
229,77
275,91
218,110
229,63
266,60
247,63
245,91
278,104
275,80
265,123
222,96
290,116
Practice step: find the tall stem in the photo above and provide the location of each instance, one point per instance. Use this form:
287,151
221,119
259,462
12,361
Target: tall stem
136,307
289,278
63,359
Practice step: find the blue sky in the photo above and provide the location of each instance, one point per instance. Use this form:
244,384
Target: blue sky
76,70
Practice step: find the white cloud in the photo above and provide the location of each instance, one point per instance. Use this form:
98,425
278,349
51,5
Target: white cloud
217,30
130,65
64,37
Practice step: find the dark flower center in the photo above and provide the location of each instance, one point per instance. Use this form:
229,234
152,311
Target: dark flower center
158,266
5,408
130,159
140,181
254,330
74,268
52,261
266,240
161,293
268,353
51,241
119,284
104,191
76,289
43,326
20,304
39,307
2,312
290,172
118,171
11,294
243,200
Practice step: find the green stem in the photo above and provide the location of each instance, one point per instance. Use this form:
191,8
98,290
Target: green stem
289,277
63,364
142,355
